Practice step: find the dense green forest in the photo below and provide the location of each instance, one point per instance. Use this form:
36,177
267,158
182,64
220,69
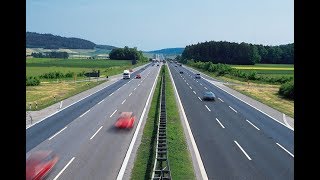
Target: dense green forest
49,41
52,54
235,53
127,53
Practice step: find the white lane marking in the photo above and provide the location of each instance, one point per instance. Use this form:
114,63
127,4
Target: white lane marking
193,142
60,104
130,94
101,101
190,87
85,113
242,150
285,121
252,124
194,92
199,98
220,123
206,88
141,81
207,108
113,112
200,84
138,84
187,83
126,159
111,94
65,167
134,89
197,80
285,150
96,132
232,109
123,101
221,100
57,133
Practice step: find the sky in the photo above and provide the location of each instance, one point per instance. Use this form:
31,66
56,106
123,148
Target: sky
157,24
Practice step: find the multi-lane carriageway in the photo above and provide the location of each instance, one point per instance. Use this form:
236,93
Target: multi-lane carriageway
235,141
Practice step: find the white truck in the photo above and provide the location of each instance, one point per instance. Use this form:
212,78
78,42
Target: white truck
126,74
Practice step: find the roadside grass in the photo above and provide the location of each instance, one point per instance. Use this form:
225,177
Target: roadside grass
44,94
179,156
144,160
267,95
262,92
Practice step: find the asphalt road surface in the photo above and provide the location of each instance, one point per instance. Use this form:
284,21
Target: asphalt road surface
83,135
235,141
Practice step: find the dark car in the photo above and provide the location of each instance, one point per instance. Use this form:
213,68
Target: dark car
197,76
208,95
138,76
40,163
181,72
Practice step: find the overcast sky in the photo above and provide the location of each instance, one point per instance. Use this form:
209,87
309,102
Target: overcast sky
157,24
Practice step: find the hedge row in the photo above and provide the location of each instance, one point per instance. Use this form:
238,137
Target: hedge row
32,81
287,90
57,74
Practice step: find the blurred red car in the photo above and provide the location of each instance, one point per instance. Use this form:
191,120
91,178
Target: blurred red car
125,120
130,70
138,76
39,164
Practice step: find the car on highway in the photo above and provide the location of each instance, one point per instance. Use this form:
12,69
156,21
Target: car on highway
197,76
130,70
175,66
40,163
208,95
138,76
181,72
125,120
158,64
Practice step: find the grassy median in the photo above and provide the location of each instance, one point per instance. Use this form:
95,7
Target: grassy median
179,157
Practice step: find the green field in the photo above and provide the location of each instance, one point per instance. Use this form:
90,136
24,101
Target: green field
268,69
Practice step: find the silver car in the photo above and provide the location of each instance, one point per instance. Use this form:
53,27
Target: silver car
208,95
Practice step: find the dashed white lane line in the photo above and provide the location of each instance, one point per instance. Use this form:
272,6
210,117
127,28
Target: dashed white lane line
206,88
220,123
188,84
221,100
285,150
85,113
138,84
113,112
134,89
200,84
243,150
101,101
96,132
232,109
199,98
194,92
65,167
208,108
190,87
57,133
252,124
197,80
111,94
130,94
123,101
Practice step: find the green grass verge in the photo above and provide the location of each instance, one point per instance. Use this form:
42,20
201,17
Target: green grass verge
179,156
144,161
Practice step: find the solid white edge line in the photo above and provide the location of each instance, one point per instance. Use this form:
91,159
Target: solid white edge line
221,100
220,123
194,92
285,121
130,94
126,159
57,133
252,124
193,142
101,101
207,108
232,109
243,150
96,132
85,113
65,167
123,101
113,112
285,150
199,98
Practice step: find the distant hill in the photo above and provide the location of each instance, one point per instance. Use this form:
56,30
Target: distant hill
167,51
49,41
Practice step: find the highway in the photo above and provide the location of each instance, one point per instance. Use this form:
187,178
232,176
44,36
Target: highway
83,135
235,141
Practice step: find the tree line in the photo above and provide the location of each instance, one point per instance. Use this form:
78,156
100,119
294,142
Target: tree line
239,53
53,54
127,53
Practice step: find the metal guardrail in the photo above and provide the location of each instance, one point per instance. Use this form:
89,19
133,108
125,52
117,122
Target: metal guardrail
161,169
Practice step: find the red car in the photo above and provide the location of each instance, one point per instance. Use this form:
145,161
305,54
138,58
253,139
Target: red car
138,76
39,164
130,70
125,120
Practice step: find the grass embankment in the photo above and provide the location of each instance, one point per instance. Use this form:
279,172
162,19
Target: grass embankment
44,94
179,157
263,92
